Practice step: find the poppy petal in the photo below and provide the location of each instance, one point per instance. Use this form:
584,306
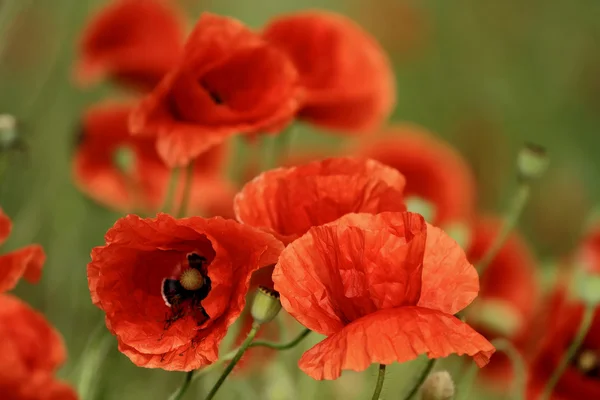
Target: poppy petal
450,282
288,201
394,335
5,226
381,267
26,262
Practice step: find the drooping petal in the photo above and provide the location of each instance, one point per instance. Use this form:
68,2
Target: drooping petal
394,335
344,270
450,282
26,262
288,201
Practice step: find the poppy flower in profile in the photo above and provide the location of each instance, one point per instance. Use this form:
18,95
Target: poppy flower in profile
170,288
126,173
347,77
228,81
135,42
32,351
509,297
25,262
434,171
289,201
382,288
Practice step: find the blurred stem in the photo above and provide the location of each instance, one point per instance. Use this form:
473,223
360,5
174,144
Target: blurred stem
272,345
236,359
518,365
422,377
283,346
241,155
90,364
187,190
510,220
465,384
275,148
584,327
183,388
170,196
379,385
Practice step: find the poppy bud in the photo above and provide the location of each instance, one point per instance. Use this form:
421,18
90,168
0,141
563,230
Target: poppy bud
266,305
587,287
497,316
460,232
124,158
438,386
532,162
8,132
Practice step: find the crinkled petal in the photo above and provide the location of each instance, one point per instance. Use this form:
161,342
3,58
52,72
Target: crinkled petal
26,262
394,335
450,282
344,270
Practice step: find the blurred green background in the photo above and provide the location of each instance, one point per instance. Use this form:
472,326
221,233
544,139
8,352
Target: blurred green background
487,75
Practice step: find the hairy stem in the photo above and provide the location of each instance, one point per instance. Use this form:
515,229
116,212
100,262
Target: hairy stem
379,385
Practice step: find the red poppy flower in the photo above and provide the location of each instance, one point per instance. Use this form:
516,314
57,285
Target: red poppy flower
509,291
348,79
434,171
383,288
171,288
142,184
289,201
32,351
228,81
581,380
26,262
135,42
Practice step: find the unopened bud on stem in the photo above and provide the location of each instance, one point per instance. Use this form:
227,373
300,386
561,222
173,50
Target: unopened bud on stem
532,162
266,305
438,386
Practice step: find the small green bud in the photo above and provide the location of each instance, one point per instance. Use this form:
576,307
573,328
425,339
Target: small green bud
8,130
266,305
496,316
532,162
124,158
460,232
438,386
587,287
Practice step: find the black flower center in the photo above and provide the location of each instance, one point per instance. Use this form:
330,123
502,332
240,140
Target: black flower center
184,295
587,362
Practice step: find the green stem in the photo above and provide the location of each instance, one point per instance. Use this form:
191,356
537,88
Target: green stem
510,220
235,360
275,148
518,365
170,196
90,364
183,388
465,384
187,190
428,368
584,327
379,385
239,163
283,346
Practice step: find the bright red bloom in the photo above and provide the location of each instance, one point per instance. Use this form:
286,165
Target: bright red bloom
383,288
434,171
171,288
348,79
510,282
26,262
135,42
289,201
32,351
229,81
142,184
581,380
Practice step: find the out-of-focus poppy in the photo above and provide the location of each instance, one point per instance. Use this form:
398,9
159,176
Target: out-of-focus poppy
348,79
434,171
383,288
125,172
32,351
289,201
135,42
509,292
581,380
171,288
228,81
26,262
